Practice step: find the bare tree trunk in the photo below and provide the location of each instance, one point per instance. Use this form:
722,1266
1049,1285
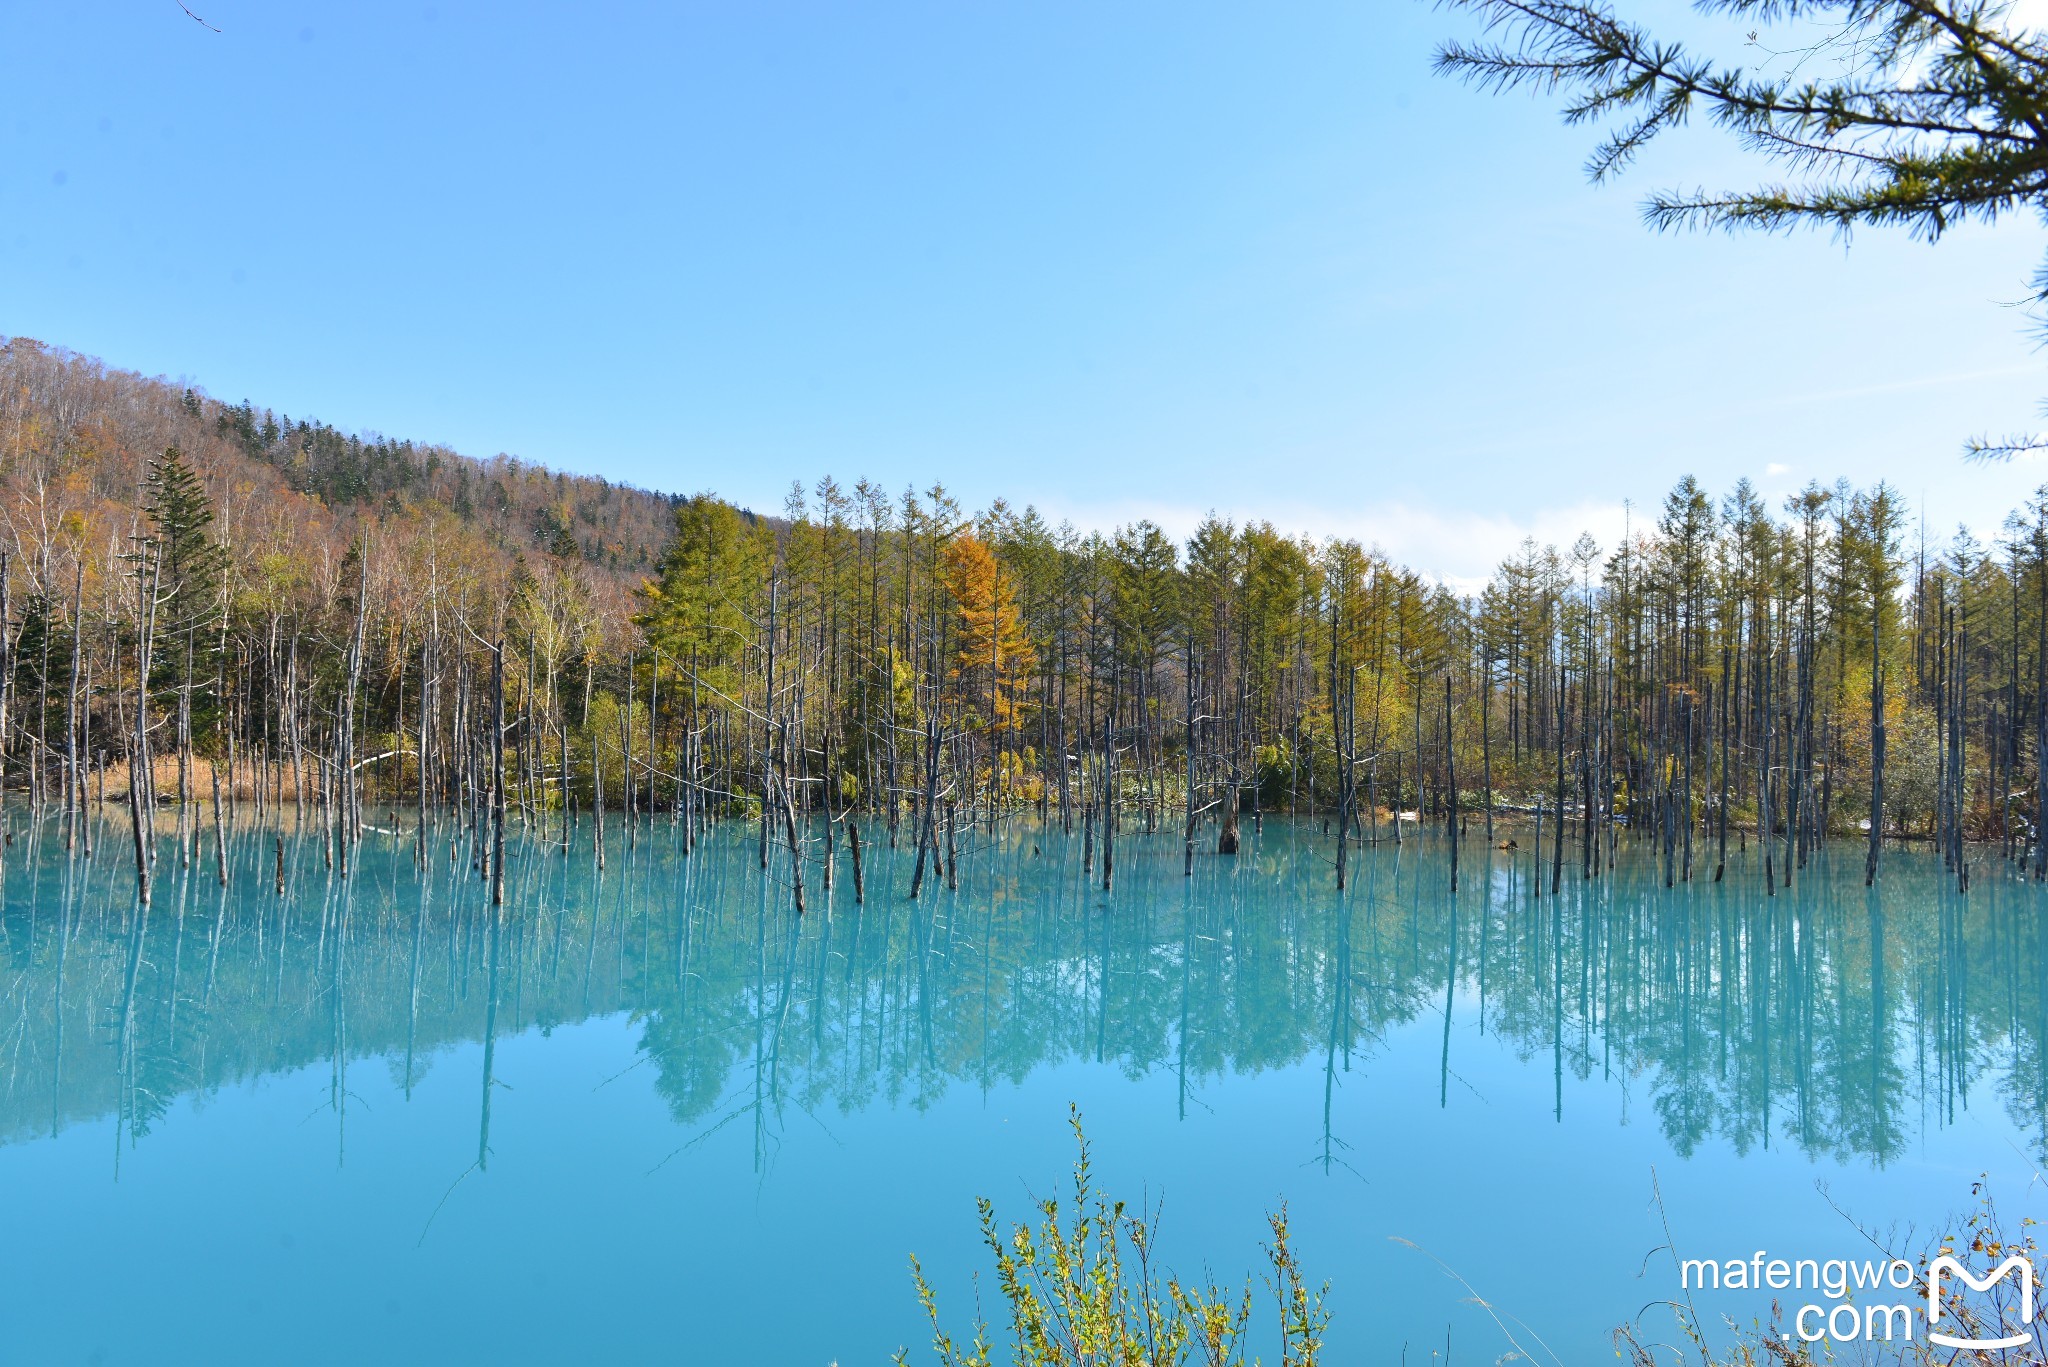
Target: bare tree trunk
185,823
2041,705
351,809
85,752
220,840
952,847
1767,717
1687,733
1486,741
74,793
796,853
1721,816
1187,865
426,710
138,761
596,775
626,759
927,836
767,727
7,663
498,773
1109,781
1451,782
1877,744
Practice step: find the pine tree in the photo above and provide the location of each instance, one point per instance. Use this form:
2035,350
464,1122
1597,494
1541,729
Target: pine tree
181,516
191,564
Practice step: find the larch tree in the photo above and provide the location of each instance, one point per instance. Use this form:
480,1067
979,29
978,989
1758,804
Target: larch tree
993,656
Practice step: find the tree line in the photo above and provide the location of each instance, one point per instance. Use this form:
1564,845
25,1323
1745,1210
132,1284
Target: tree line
191,629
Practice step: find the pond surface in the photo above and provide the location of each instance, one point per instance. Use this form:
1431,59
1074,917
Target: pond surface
651,1115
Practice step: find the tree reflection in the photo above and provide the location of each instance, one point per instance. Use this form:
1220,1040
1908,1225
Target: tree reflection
1830,1019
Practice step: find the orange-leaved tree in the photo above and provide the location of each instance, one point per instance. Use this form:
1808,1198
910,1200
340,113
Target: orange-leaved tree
996,657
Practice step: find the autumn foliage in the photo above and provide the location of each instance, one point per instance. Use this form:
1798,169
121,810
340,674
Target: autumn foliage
995,656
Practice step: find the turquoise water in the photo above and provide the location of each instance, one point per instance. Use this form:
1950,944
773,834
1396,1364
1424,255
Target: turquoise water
651,1115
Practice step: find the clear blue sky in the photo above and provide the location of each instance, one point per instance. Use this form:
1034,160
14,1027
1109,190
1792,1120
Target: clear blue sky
1118,260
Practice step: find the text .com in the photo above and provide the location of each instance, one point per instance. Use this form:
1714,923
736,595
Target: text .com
1848,1313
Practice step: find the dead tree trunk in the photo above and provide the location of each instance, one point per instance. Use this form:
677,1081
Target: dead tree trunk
498,773
1451,780
138,752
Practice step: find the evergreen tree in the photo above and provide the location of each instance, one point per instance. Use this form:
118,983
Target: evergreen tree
189,564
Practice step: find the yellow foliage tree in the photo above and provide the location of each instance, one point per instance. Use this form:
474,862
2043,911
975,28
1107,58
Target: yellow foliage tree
996,656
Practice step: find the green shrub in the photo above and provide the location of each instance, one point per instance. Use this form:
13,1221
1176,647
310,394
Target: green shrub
1086,1293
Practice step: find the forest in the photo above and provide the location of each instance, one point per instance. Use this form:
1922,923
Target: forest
214,611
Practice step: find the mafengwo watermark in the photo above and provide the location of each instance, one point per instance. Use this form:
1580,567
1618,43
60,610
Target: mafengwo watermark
1885,1300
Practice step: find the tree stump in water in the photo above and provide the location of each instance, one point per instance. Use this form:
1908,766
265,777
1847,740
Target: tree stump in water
1226,840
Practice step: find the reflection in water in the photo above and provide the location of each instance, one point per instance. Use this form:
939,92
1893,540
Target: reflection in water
1835,1020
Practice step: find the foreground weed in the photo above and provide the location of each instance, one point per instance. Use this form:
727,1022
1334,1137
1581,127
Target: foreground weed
1083,1290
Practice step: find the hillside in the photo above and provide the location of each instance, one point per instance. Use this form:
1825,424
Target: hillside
76,437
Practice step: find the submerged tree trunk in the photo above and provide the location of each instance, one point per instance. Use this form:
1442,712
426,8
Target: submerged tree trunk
1187,864
1486,742
74,789
1451,784
138,761
1877,744
498,773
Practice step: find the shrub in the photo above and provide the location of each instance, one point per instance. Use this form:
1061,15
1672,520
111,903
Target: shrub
1083,1291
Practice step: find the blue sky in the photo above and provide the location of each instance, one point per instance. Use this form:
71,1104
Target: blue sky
1115,260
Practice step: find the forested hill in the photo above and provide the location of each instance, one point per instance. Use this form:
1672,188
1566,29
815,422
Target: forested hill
84,433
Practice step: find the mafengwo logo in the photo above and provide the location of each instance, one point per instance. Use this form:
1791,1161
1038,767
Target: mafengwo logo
1963,1310
2015,1266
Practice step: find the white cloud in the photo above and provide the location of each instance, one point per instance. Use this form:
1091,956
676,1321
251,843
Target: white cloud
1774,470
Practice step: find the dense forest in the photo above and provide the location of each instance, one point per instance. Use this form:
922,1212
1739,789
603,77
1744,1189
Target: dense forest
239,608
